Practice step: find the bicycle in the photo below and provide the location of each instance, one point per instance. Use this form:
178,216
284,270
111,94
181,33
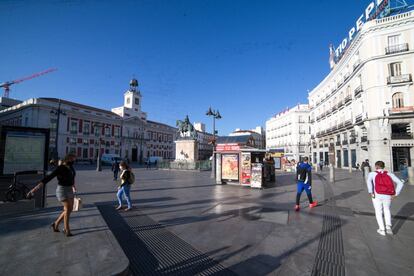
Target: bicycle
17,191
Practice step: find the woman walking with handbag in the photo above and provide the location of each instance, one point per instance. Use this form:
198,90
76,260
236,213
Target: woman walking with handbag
65,190
126,177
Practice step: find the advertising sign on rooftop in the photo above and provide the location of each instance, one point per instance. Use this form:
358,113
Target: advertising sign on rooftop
376,9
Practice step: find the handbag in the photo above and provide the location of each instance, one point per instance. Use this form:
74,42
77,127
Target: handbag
77,204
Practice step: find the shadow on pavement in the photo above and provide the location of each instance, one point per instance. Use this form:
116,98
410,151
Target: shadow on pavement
403,214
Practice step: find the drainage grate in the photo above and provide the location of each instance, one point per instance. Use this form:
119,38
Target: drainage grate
153,250
330,257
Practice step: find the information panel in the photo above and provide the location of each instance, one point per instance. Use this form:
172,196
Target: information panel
24,151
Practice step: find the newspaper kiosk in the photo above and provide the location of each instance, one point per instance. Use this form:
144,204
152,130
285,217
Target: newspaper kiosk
242,165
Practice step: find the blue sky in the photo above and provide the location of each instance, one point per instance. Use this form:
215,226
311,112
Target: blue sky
249,59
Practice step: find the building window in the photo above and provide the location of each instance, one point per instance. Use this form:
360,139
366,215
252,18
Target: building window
107,131
53,124
85,153
393,40
86,127
398,100
73,126
395,69
137,101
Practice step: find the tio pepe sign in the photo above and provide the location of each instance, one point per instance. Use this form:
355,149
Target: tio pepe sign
375,9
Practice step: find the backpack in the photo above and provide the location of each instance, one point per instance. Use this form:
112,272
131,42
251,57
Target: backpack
131,179
384,184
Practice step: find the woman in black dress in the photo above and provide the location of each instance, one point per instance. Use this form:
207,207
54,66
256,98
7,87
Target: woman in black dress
65,190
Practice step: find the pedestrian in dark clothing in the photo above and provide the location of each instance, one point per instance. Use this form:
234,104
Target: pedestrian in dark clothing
65,190
125,187
115,169
321,165
304,183
363,165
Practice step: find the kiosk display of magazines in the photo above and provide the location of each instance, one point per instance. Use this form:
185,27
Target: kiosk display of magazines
241,166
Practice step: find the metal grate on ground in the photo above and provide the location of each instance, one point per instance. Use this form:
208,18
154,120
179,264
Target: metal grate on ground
330,257
153,250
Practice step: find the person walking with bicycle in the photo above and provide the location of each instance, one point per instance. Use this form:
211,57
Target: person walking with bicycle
65,190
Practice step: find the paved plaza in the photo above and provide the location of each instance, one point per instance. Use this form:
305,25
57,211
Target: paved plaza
184,224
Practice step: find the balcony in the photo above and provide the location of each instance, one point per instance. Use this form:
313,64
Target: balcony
338,143
326,145
340,104
344,142
358,118
352,141
358,90
348,122
402,135
348,99
399,79
396,49
401,110
364,139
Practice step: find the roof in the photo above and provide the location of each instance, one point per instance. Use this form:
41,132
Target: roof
162,124
242,139
80,106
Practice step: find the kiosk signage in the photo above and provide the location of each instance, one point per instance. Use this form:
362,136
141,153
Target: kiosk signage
257,175
246,168
230,167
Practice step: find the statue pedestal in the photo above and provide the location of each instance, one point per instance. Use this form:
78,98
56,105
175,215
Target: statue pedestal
186,150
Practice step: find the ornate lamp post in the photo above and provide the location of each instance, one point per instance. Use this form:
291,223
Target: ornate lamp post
215,115
98,128
57,112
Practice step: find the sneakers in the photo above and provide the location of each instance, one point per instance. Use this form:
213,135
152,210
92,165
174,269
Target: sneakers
381,232
314,204
389,231
297,208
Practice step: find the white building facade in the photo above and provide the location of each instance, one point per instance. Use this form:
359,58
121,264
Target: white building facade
88,131
364,108
289,132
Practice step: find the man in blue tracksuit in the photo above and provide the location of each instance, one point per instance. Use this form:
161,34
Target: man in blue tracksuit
304,179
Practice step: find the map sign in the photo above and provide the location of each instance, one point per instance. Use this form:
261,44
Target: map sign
24,152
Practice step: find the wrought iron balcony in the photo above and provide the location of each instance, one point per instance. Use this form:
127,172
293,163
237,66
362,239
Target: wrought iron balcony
338,143
352,141
401,110
358,118
399,79
396,49
402,135
344,142
364,139
358,90
348,99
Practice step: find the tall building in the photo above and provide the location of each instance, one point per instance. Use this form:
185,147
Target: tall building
88,131
258,134
288,132
364,108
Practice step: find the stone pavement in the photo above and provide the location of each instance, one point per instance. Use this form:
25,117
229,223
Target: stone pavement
185,224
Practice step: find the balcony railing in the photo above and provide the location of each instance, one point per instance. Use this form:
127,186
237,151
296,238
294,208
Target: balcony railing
399,79
364,139
406,135
352,141
348,122
401,110
344,142
348,99
396,49
358,90
338,143
358,118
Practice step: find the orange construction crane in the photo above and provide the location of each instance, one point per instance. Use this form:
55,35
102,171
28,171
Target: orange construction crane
6,85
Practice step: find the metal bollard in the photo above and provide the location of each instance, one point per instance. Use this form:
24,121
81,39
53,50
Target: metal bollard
331,173
410,175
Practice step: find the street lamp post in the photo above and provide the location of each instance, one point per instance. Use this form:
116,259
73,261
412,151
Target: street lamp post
57,112
98,128
215,115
